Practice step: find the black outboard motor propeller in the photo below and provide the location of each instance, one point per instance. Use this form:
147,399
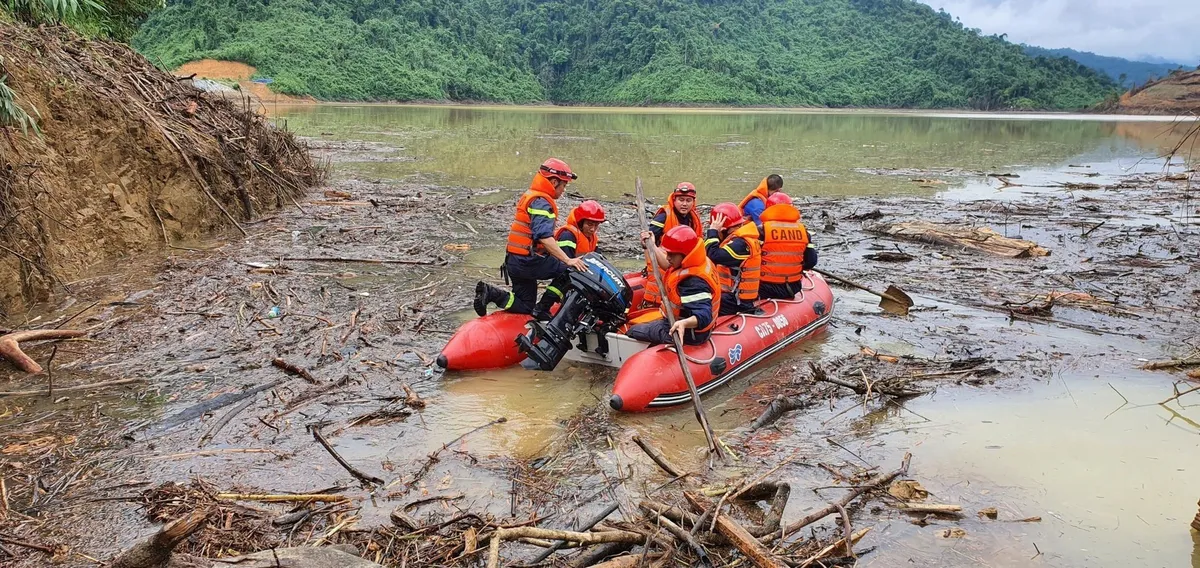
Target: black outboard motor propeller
595,301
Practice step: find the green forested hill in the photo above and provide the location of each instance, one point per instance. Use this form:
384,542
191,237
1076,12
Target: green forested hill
890,53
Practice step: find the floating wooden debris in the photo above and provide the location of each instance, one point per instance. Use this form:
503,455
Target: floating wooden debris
981,239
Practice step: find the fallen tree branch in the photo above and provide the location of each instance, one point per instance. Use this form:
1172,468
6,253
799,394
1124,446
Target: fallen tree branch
156,550
296,370
363,260
779,406
74,388
10,347
657,456
740,537
873,483
366,479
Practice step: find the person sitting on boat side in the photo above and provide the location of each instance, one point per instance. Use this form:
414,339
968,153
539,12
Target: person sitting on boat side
579,236
787,250
691,286
679,210
732,245
533,253
756,201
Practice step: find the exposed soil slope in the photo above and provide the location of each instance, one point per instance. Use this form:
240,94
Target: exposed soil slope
1176,94
129,157
236,72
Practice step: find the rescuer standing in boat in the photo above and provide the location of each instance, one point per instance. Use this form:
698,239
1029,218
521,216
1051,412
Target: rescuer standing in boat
756,201
533,253
787,250
732,244
680,210
579,236
692,286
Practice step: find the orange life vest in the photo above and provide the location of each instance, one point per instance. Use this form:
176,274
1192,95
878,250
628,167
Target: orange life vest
696,263
583,245
759,192
784,241
520,234
745,284
651,294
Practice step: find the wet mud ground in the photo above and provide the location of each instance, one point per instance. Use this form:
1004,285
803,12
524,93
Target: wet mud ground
363,287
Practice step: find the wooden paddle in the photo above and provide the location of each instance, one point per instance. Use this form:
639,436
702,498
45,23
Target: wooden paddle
892,300
668,309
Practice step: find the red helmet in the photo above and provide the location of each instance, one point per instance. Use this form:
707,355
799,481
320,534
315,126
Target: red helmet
777,198
590,210
681,239
732,214
556,168
685,188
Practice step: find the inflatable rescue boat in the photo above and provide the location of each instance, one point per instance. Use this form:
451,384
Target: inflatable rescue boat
650,376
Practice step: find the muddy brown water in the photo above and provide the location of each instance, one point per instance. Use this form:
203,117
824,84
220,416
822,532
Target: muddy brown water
1114,483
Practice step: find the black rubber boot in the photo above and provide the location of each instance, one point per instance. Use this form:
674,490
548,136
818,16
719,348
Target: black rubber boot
487,294
481,298
541,312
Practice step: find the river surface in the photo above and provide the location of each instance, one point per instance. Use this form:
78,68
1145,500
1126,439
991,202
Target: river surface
1113,475
726,153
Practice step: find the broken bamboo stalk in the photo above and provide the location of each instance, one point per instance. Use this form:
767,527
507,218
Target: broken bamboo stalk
10,347
739,536
156,550
1172,363
284,497
873,483
628,561
935,508
553,534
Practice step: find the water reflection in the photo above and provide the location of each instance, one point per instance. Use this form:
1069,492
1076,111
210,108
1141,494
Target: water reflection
725,154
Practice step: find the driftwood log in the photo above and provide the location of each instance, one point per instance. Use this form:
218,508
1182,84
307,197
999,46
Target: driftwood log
1196,521
155,551
980,239
10,347
739,536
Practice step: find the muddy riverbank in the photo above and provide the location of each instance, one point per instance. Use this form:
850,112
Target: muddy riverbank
362,287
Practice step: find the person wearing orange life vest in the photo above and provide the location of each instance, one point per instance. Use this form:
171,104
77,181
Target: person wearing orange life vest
691,284
679,210
578,237
533,253
787,249
756,201
732,244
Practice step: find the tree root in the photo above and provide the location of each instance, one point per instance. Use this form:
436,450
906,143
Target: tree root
10,347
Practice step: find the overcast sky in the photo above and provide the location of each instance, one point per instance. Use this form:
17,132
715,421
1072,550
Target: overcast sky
1132,29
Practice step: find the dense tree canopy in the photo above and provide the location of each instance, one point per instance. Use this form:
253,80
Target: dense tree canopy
890,53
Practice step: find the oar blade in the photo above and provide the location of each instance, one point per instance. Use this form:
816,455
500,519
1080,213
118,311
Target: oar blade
895,301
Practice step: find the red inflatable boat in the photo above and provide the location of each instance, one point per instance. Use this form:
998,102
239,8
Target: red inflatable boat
489,342
650,378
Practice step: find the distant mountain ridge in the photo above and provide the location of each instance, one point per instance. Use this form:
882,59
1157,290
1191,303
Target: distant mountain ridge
1134,72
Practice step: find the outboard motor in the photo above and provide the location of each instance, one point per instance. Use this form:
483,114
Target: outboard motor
596,301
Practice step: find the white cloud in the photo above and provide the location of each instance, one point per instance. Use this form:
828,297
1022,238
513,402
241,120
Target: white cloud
1132,29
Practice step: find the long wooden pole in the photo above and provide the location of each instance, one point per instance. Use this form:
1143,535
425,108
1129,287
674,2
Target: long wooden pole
669,311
